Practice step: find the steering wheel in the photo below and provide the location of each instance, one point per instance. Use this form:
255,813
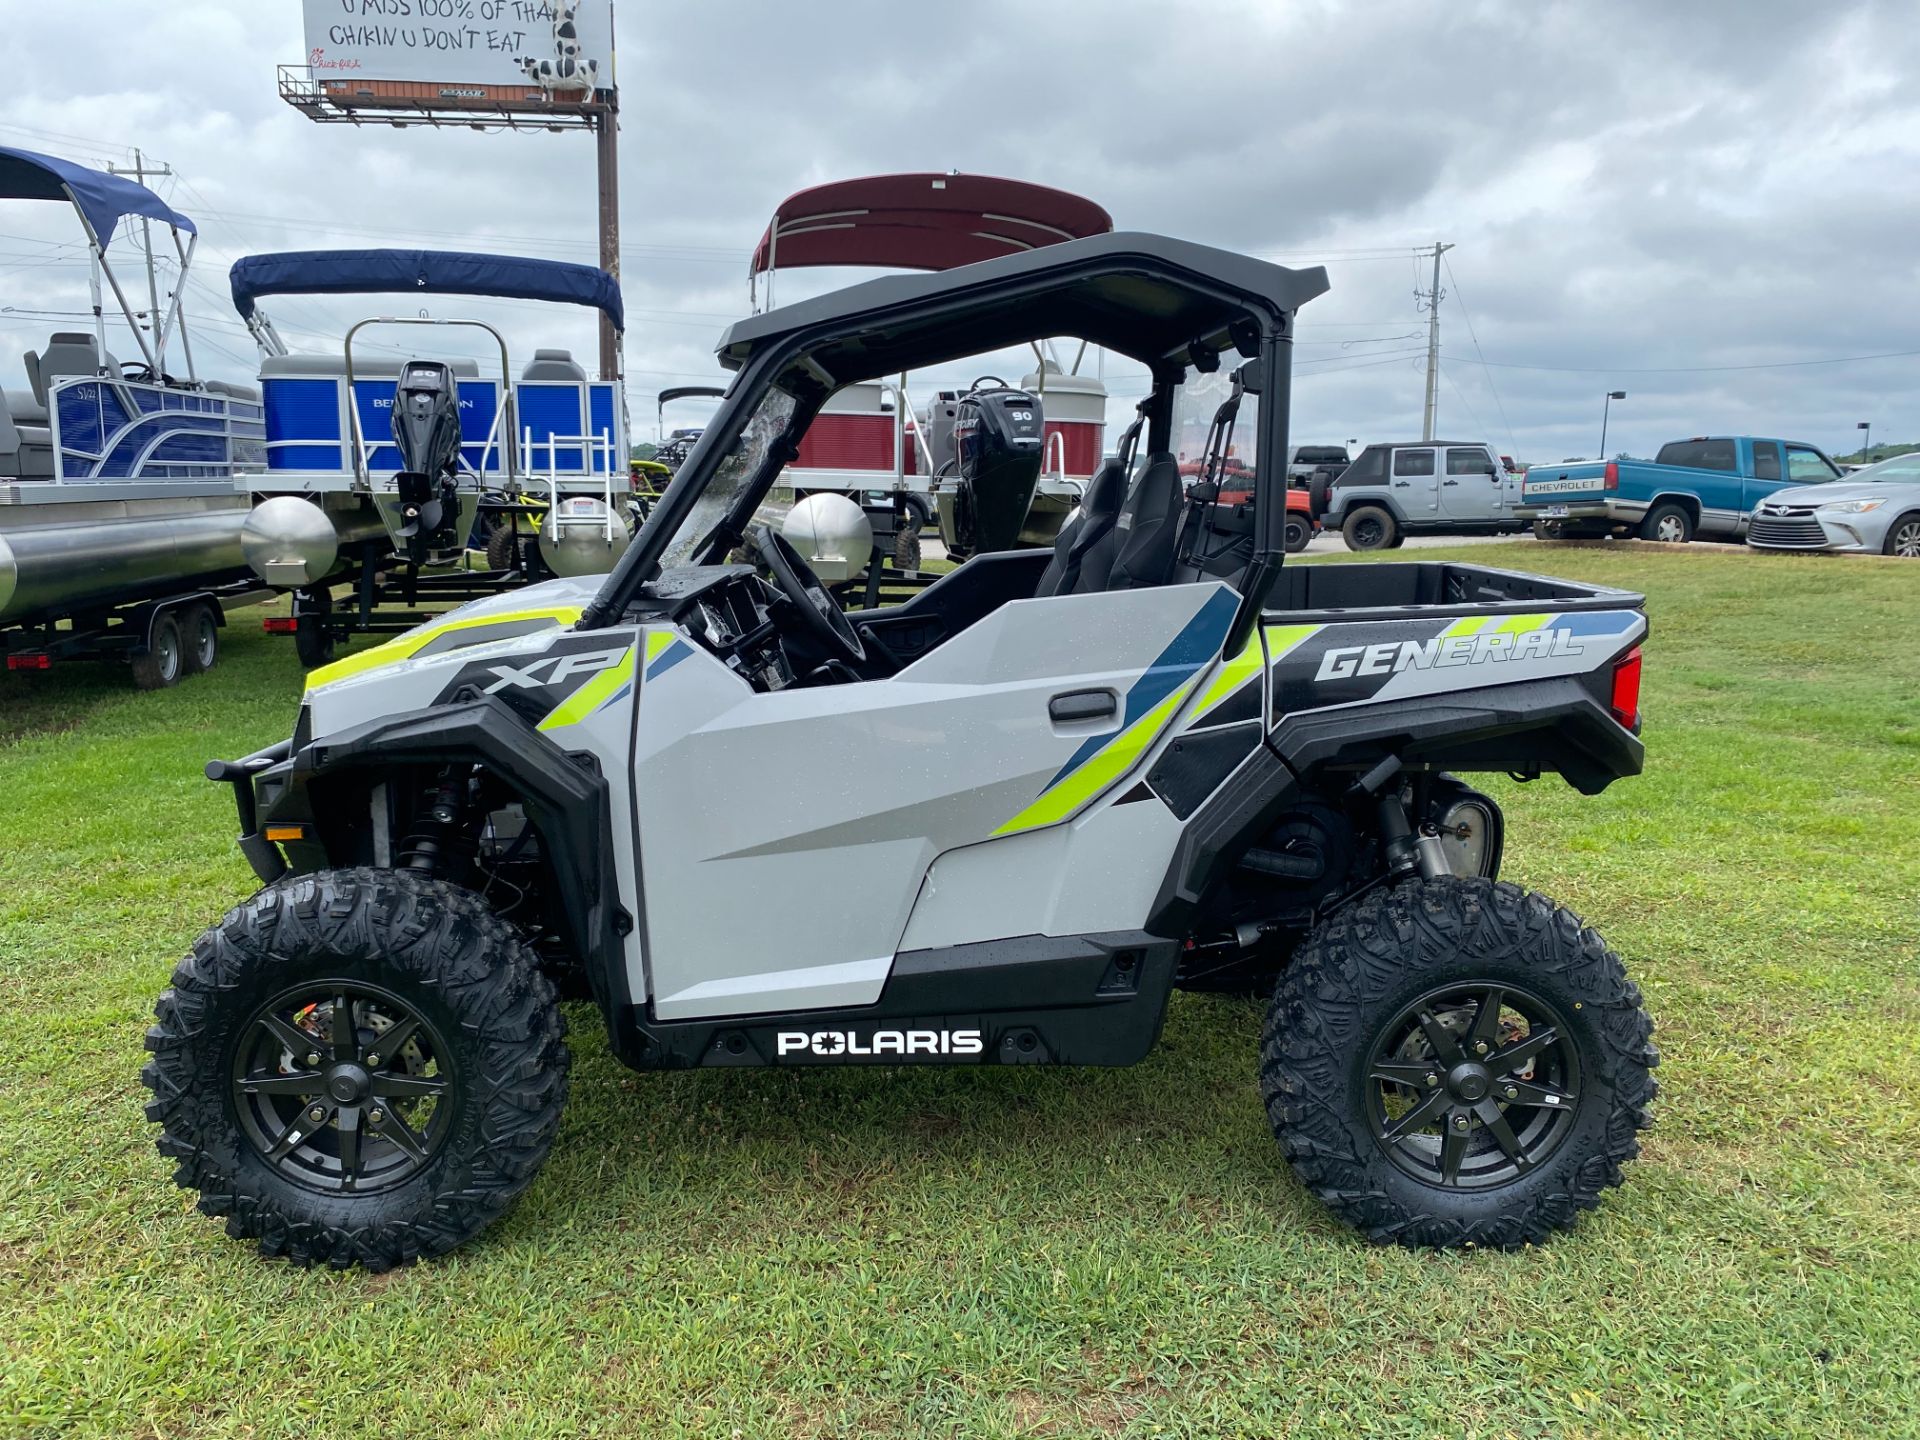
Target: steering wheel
820,612
981,383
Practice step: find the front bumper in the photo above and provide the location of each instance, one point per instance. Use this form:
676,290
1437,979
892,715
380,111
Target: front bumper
1806,531
262,854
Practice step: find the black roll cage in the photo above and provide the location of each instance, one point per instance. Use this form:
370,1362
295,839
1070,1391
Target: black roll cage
1172,305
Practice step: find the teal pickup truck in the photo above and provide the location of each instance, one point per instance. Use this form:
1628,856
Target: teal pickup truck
1707,486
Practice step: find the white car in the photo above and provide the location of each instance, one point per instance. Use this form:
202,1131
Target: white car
1875,511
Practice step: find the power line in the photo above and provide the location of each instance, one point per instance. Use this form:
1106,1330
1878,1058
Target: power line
1467,315
1699,369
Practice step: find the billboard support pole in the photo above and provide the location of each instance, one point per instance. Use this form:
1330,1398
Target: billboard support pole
606,131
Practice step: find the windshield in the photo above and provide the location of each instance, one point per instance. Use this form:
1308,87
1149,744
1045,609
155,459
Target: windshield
1900,470
731,476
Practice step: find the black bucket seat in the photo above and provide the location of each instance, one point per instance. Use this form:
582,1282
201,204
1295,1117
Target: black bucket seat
1091,524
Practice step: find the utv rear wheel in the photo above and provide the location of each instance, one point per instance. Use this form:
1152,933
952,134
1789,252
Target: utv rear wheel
1370,528
1457,1062
906,546
1298,534
1670,524
502,546
359,1066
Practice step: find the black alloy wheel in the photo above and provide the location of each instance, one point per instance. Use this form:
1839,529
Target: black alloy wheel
341,1086
1472,1086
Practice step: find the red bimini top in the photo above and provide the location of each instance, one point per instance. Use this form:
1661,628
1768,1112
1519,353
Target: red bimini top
921,222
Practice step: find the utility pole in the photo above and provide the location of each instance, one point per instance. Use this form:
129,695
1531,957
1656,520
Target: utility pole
606,129
1431,298
139,174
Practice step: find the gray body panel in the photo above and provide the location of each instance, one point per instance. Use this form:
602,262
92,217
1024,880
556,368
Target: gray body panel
797,826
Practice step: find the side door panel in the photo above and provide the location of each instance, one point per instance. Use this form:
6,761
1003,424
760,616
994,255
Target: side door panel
1472,490
785,836
1414,486
1766,474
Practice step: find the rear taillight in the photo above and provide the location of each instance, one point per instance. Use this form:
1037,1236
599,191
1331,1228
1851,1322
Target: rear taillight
1610,477
1626,689
29,662
280,625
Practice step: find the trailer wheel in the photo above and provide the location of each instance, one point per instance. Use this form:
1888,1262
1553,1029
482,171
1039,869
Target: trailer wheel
1298,534
162,663
1457,1062
200,634
313,626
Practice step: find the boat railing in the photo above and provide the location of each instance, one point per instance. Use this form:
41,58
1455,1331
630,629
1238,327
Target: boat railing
104,429
593,449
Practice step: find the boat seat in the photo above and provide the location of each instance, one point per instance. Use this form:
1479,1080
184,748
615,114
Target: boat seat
231,391
24,409
1139,552
26,451
1086,528
70,354
550,366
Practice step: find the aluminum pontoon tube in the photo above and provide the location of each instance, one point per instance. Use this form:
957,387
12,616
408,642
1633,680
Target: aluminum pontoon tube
291,541
56,560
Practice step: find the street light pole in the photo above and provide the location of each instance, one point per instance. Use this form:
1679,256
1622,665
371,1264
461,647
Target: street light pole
1866,443
1605,410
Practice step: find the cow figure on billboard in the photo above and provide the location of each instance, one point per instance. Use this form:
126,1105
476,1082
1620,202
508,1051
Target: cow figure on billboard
565,69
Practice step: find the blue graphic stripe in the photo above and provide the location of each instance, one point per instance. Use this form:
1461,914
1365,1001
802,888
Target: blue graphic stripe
618,695
1197,644
1595,622
669,658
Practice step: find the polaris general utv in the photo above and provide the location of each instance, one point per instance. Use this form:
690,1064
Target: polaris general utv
1065,781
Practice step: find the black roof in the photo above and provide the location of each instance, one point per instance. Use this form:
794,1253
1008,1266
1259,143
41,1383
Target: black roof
1145,296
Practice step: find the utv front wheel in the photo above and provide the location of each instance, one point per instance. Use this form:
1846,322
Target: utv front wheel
1457,1062
359,1066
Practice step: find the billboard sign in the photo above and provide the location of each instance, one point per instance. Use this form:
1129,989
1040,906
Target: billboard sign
565,48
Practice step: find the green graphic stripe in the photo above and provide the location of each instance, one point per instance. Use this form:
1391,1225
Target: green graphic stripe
589,697
1236,672
1099,772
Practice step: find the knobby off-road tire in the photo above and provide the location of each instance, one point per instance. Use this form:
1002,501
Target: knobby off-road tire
1370,528
1410,950
398,949
503,546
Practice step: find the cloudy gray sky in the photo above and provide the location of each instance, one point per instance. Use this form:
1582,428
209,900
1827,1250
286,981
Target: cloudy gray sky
1690,202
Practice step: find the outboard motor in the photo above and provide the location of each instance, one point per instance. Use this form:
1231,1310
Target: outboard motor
999,440
426,429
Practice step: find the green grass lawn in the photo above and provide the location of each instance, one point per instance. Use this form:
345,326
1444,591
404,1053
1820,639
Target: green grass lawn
1061,1253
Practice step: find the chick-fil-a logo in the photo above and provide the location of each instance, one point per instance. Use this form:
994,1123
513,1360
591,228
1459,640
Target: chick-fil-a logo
317,60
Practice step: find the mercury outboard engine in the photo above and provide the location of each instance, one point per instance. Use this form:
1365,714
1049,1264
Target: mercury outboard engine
426,429
999,439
